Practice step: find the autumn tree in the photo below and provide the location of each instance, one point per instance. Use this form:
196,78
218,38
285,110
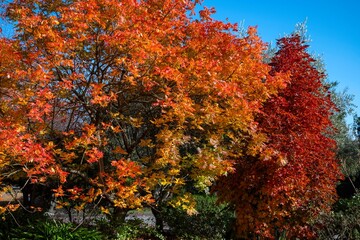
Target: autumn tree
347,146
293,179
122,103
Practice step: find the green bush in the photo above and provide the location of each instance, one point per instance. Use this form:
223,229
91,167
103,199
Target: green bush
212,221
129,230
53,230
9,222
343,222
136,229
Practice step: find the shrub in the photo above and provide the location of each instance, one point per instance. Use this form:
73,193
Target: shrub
212,221
136,229
129,230
20,217
53,230
343,222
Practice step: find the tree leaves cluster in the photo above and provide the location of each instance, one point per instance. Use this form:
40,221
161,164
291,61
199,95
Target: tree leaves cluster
301,176
126,104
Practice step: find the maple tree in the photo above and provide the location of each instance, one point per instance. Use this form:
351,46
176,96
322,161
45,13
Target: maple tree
293,179
122,103
21,154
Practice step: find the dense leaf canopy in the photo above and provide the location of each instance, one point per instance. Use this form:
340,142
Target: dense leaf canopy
287,190
126,104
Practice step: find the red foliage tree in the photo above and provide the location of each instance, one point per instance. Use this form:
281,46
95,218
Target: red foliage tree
286,186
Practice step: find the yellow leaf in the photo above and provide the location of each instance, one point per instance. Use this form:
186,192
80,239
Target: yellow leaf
146,143
119,150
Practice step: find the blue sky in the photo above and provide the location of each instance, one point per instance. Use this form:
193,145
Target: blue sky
333,26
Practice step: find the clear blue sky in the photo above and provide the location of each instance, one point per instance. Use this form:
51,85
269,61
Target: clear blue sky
333,26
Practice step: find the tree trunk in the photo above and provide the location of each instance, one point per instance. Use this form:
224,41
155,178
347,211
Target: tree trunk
159,221
118,216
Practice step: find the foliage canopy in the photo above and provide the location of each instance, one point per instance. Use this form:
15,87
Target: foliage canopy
124,104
